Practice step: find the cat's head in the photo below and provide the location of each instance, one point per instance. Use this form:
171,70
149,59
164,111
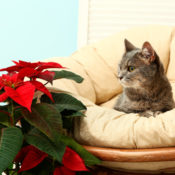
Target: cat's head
139,67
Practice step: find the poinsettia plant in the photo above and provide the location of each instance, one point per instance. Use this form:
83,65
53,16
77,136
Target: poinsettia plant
35,136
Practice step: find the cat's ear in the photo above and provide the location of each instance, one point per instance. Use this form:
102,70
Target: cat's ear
129,46
148,52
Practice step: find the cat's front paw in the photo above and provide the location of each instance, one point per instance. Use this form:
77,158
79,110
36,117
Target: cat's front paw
146,114
149,113
157,113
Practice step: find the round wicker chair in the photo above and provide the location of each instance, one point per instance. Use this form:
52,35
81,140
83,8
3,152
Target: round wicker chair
132,155
107,130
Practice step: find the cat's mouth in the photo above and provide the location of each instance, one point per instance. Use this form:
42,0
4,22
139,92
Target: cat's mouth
130,83
125,83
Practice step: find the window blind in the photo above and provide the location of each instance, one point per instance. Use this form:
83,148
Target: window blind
105,17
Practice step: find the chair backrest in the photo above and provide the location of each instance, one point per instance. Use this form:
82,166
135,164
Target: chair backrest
97,63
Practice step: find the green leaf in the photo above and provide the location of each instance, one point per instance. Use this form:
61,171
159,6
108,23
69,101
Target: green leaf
14,173
77,114
4,106
17,115
10,144
68,123
68,106
25,126
46,118
42,142
84,154
2,126
65,102
4,118
67,75
68,118
26,173
72,114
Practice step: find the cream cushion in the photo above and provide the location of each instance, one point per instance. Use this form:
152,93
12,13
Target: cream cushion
97,63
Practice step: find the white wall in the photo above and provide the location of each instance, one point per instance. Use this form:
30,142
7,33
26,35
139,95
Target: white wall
37,29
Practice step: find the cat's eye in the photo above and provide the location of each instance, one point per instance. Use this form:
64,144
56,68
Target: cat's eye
131,68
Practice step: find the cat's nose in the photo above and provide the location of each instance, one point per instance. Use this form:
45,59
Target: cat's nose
120,77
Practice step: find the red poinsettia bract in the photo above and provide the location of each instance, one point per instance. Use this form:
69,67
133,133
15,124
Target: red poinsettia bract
36,65
19,91
72,162
33,70
13,85
30,157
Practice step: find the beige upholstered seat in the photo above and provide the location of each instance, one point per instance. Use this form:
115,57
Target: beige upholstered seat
105,127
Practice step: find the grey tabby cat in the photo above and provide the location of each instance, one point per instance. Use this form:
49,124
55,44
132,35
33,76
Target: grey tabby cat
146,89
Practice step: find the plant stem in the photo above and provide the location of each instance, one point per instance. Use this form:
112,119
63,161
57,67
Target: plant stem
46,83
12,113
17,167
53,163
14,173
